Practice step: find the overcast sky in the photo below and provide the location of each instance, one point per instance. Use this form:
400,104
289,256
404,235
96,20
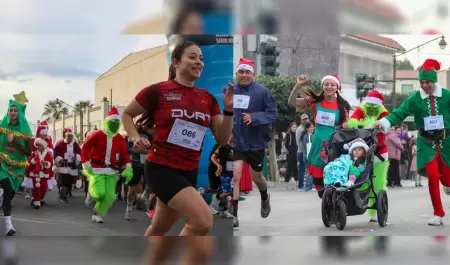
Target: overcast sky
57,48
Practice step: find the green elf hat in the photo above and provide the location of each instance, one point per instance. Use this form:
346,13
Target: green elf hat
427,71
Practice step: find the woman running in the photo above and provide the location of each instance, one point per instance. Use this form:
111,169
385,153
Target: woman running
15,148
182,114
330,110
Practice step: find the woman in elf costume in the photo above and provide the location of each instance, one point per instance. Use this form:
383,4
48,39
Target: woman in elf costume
15,148
431,110
372,110
330,111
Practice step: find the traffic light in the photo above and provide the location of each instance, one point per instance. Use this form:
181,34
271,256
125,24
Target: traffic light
364,84
269,59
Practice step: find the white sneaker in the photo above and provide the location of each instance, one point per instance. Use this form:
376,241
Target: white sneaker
225,214
97,219
436,221
127,215
214,205
447,190
10,231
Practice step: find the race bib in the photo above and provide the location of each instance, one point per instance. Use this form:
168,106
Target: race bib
69,156
325,118
187,134
143,157
230,165
433,123
241,101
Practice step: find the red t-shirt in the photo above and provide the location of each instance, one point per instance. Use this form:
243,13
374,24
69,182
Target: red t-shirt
179,110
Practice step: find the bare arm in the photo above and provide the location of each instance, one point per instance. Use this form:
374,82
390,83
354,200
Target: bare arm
131,111
215,160
293,101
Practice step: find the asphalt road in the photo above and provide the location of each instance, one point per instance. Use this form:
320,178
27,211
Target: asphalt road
297,213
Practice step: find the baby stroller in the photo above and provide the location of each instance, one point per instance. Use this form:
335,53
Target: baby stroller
340,202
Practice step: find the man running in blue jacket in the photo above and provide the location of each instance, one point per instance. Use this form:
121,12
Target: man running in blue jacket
254,111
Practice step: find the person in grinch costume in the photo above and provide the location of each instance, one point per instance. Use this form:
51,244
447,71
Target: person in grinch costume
100,154
15,148
431,110
365,115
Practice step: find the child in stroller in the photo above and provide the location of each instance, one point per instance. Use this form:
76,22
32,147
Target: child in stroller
352,198
345,170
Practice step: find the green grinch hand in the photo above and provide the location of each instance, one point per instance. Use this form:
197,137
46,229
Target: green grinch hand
128,174
88,171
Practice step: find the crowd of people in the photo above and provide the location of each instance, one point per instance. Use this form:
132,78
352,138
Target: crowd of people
165,126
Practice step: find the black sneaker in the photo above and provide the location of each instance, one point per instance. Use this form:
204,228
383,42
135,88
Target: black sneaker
265,207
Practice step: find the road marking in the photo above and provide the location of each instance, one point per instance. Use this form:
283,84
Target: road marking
362,230
40,221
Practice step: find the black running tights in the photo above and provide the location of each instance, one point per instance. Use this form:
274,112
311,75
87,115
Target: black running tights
8,194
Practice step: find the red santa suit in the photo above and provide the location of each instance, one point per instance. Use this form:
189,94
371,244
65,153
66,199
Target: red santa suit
39,171
67,156
42,133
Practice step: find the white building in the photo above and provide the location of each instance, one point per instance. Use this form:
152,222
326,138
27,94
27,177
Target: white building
407,81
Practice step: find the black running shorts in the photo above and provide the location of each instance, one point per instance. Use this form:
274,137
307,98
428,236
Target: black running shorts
166,182
138,173
254,158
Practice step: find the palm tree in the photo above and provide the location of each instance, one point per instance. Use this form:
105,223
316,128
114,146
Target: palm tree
54,110
80,108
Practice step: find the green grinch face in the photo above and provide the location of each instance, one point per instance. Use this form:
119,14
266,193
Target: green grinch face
113,126
372,109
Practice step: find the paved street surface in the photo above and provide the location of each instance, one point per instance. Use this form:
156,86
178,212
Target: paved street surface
74,219
297,213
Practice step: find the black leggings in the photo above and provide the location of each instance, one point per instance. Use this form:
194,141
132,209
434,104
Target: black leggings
394,172
8,195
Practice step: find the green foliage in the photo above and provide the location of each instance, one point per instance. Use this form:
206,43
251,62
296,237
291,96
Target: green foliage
404,65
281,87
399,98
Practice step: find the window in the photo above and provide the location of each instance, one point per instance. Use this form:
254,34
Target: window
407,89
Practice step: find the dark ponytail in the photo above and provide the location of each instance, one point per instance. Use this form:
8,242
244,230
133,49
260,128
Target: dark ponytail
172,72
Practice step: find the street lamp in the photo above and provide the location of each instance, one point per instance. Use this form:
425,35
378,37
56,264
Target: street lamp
442,44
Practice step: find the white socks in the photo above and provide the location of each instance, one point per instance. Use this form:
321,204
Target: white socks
8,220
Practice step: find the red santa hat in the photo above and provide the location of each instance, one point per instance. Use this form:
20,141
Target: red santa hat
113,114
39,141
334,78
68,131
374,97
42,129
245,64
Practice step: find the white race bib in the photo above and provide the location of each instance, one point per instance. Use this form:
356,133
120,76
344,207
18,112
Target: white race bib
230,165
325,118
433,123
143,157
187,134
241,101
69,156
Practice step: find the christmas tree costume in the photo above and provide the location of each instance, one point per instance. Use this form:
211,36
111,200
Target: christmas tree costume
99,155
372,110
13,160
432,119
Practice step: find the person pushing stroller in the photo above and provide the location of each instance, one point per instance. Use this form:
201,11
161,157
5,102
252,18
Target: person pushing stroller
346,169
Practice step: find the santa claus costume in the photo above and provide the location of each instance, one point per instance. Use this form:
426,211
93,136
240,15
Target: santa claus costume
99,157
41,133
365,115
67,157
430,108
39,171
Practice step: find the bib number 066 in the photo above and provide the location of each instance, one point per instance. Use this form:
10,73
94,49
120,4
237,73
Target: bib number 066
188,133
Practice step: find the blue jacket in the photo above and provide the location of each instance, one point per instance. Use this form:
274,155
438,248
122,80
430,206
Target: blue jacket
263,110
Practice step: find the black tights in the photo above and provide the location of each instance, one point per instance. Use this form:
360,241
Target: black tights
8,195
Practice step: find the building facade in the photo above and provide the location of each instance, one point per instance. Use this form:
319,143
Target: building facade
116,87
407,81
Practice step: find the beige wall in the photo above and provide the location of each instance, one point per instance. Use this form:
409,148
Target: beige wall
133,73
443,80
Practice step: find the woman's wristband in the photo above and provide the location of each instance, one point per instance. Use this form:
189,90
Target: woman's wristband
228,113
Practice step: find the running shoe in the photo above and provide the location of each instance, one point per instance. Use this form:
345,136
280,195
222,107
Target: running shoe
150,213
265,207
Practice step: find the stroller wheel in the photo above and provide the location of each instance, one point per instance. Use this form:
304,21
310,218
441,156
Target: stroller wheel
327,208
340,214
382,208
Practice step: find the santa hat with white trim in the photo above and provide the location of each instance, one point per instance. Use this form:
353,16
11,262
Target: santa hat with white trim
39,141
68,131
42,129
113,114
334,78
245,64
356,143
374,97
